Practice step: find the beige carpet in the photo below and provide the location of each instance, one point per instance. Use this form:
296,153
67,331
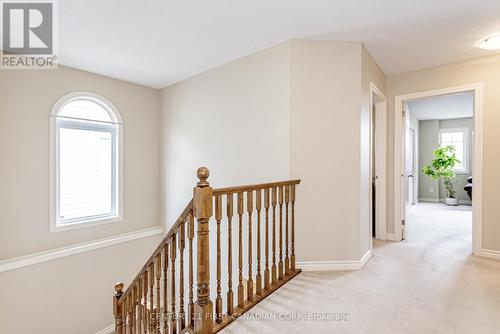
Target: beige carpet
428,284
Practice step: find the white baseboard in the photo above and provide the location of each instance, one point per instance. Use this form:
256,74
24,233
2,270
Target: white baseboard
53,254
490,254
391,237
107,330
442,200
335,265
461,201
430,200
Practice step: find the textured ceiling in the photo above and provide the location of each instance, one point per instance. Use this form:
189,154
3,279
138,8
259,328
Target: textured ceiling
160,42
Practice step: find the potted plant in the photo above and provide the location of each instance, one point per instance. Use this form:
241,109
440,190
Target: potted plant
442,167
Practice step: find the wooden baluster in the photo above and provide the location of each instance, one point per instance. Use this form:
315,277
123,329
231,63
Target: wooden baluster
173,255
134,308
125,320
266,270
182,244
273,268
292,199
151,298
145,317
158,293
138,297
287,259
218,300
165,289
280,264
139,305
258,278
241,298
190,238
202,204
230,296
126,315
130,323
250,242
118,309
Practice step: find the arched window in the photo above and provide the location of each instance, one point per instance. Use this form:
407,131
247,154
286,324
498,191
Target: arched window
85,163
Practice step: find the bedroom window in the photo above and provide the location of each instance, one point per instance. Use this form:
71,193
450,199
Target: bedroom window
86,162
457,138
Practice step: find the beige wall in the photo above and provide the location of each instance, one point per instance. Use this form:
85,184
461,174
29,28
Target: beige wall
26,100
72,294
487,71
280,113
329,141
325,90
428,141
233,119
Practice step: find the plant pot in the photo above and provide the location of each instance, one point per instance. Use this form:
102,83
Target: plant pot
451,201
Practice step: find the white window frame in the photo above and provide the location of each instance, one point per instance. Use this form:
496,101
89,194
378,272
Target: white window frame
58,122
465,131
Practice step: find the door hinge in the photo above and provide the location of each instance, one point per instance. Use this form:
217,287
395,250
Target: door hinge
403,223
404,112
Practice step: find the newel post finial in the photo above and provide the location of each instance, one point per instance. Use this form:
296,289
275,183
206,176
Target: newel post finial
203,173
202,209
117,308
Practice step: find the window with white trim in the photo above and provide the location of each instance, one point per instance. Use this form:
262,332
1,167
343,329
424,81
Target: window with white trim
458,138
86,162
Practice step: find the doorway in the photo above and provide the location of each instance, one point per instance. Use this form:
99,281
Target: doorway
377,179
408,192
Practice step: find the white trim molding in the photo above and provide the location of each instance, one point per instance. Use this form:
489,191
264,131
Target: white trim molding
477,163
107,330
57,253
443,200
490,253
335,265
391,237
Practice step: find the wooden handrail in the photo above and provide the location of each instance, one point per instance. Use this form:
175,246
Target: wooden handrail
155,302
253,187
166,239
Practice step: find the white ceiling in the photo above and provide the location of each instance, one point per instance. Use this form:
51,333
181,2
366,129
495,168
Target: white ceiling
443,107
159,42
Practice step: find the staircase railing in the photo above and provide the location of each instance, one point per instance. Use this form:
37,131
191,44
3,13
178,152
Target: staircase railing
151,303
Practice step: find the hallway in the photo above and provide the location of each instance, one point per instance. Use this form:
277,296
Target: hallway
428,284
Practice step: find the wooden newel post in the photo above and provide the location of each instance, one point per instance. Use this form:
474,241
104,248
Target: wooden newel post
202,206
117,308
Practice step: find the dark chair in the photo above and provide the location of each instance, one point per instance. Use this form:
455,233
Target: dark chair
468,187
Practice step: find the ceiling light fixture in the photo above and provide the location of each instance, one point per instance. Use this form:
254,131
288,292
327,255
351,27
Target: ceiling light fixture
490,43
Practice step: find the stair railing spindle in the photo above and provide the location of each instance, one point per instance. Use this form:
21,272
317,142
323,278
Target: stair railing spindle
190,238
274,276
258,278
241,298
230,294
280,263
218,300
266,270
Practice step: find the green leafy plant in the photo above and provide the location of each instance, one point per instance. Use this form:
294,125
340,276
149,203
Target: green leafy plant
442,167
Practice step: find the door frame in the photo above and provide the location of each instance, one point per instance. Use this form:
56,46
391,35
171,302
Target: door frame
379,116
477,173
